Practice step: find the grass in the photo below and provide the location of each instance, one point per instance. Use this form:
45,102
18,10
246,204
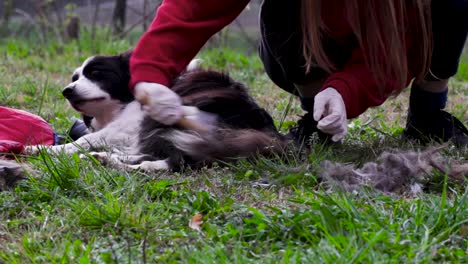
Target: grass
76,211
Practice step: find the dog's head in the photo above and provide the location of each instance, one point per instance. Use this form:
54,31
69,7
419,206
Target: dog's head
100,84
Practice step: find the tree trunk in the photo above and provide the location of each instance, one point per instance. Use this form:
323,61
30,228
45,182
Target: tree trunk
73,28
118,19
145,24
7,12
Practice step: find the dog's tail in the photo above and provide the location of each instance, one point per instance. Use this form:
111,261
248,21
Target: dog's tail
228,144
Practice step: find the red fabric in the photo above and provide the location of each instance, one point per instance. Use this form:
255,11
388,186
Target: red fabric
8,146
355,81
357,86
182,27
19,128
178,32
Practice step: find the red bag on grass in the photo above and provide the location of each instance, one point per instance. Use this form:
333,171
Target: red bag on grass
19,128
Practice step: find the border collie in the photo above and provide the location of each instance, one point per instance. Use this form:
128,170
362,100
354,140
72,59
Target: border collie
99,91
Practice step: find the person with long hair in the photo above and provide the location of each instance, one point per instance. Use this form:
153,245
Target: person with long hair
339,56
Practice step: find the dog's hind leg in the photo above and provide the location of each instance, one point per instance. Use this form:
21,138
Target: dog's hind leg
150,166
120,160
127,162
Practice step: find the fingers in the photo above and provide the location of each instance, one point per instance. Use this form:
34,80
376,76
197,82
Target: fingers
190,110
159,102
319,107
339,136
337,128
330,112
167,115
330,124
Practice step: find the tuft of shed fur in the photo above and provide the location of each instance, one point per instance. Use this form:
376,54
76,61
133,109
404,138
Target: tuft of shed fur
394,171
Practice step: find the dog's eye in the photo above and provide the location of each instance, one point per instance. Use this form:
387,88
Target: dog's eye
95,73
74,77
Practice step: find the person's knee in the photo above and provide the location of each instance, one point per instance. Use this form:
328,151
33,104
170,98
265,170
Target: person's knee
444,73
310,88
456,5
450,5
434,86
274,70
449,36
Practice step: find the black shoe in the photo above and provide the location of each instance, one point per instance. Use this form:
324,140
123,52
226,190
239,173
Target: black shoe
304,131
439,126
78,130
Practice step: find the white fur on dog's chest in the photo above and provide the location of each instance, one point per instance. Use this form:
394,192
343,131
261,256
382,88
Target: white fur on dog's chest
124,131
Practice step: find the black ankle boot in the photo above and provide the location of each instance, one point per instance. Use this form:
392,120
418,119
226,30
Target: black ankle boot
427,121
77,130
439,126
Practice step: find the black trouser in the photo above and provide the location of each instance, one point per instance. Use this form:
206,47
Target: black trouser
281,48
449,29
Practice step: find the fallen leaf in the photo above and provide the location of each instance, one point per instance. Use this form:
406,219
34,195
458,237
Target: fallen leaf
196,222
464,230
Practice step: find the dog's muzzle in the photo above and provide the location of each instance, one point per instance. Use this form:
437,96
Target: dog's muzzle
69,91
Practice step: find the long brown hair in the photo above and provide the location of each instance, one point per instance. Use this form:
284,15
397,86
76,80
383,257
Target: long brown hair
380,28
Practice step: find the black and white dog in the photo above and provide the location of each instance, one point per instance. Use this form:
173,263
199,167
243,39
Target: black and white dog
99,90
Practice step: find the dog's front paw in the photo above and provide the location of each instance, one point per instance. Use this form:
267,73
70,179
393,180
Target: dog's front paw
36,149
33,150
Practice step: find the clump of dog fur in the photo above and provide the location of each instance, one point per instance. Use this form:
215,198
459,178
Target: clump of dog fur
405,172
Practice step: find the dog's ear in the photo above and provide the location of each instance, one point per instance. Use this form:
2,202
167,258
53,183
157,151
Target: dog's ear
125,56
124,59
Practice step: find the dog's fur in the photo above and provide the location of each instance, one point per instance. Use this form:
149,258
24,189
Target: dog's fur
99,91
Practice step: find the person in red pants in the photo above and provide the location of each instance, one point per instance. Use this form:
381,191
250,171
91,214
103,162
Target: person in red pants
339,56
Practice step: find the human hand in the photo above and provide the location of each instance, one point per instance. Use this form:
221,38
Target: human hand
159,102
330,113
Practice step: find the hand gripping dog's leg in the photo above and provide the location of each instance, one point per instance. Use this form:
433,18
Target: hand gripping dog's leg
192,119
197,120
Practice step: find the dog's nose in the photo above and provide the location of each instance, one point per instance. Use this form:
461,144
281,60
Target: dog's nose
68,91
